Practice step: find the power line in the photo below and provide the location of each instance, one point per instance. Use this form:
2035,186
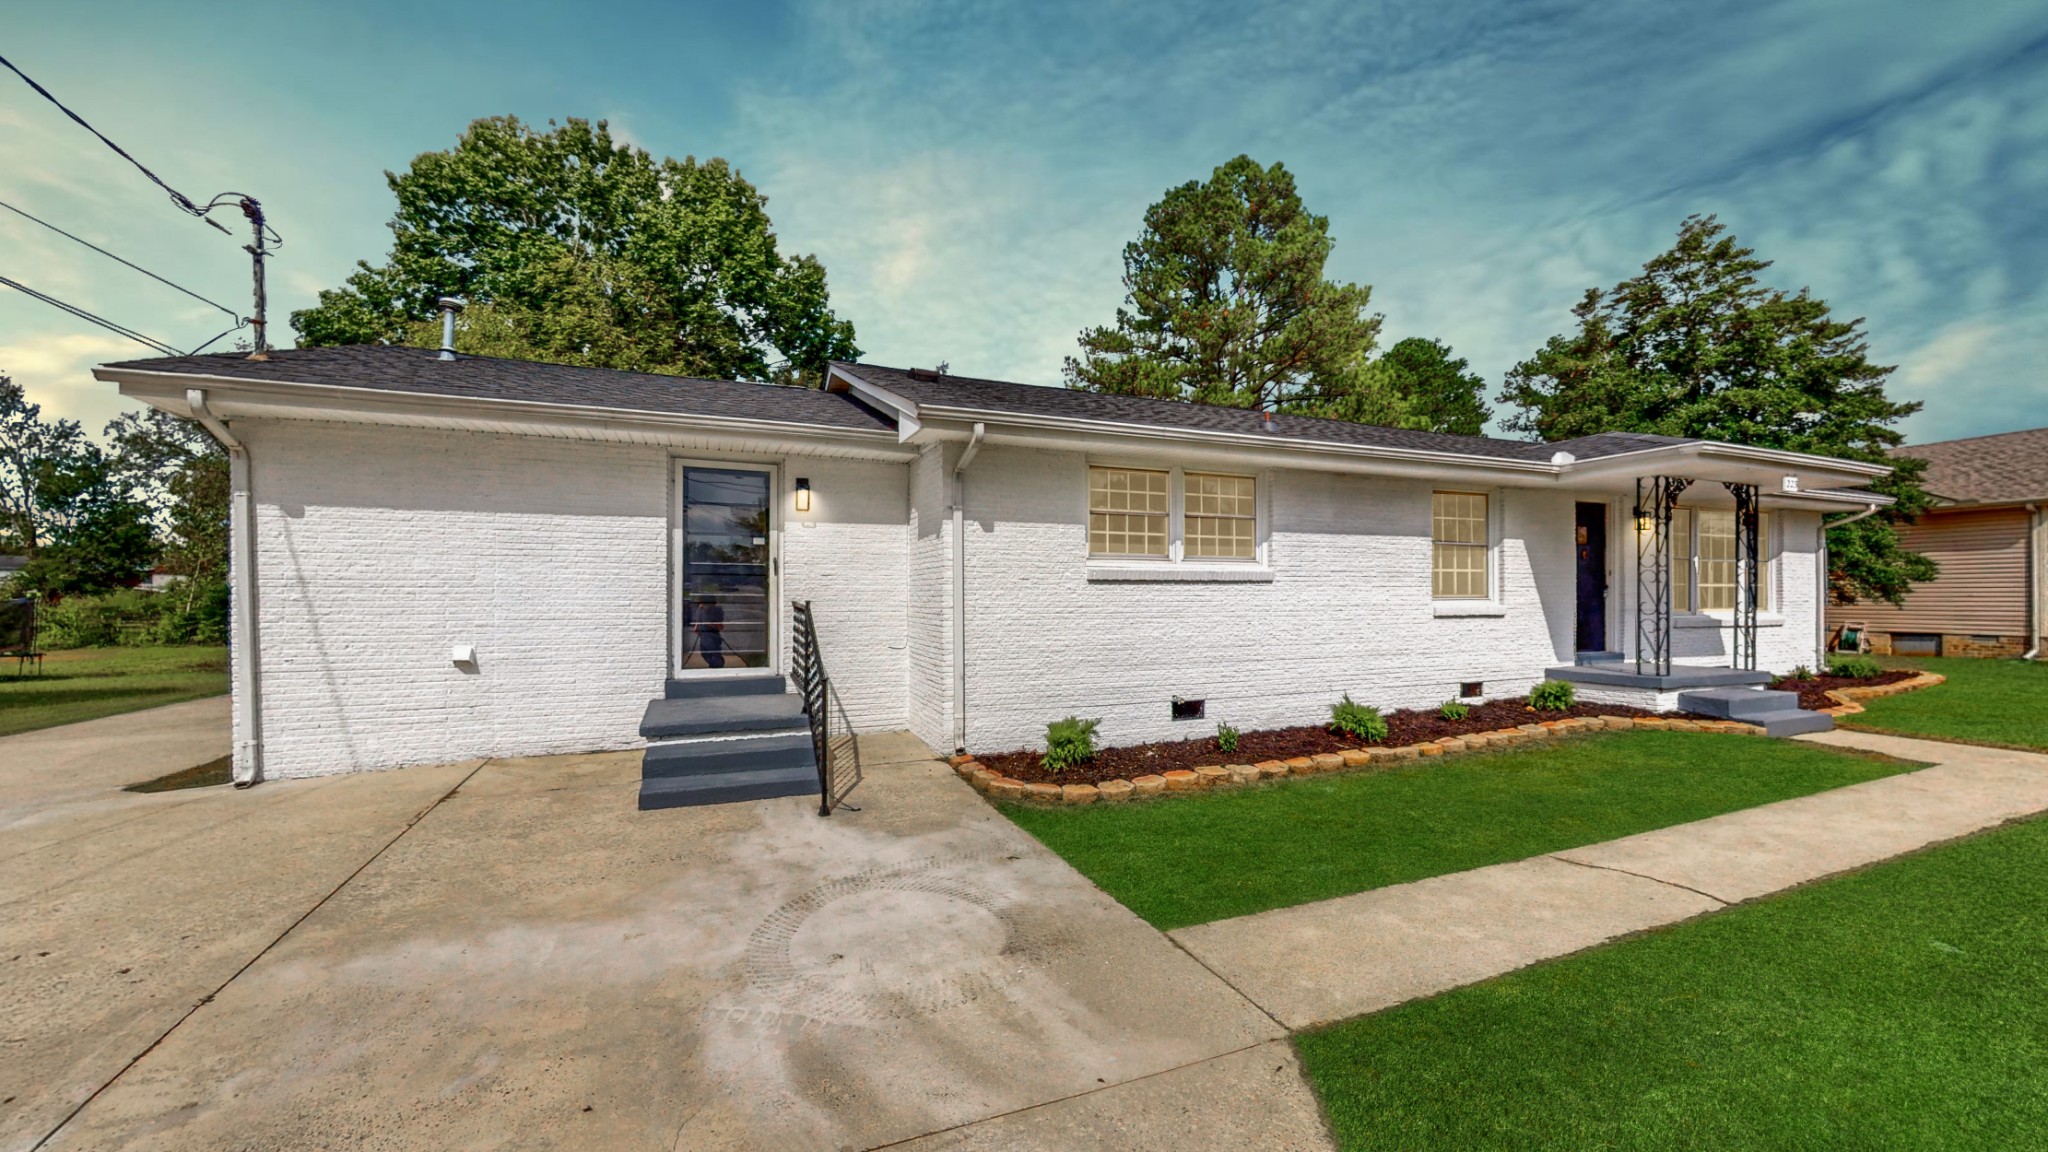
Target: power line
147,341
139,268
183,201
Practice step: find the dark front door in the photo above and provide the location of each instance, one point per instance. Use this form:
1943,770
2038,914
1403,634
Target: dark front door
1591,535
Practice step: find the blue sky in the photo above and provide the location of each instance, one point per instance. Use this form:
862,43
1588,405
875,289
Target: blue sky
969,173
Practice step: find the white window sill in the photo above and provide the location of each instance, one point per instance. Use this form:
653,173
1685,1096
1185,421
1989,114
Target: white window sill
1467,608
1722,620
1166,572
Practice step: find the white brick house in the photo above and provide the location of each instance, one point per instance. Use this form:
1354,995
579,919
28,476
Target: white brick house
450,559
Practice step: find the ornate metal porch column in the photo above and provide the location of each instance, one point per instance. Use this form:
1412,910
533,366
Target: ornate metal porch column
1655,496
1748,573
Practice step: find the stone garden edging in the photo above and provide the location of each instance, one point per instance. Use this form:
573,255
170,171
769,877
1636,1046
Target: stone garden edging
1850,697
1210,777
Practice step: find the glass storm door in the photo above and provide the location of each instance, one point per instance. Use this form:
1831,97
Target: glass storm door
725,569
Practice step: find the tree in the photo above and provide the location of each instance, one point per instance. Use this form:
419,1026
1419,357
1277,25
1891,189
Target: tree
573,248
1418,384
1227,304
65,506
1697,346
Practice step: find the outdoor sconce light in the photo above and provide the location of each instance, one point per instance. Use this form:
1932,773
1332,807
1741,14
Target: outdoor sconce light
803,494
1642,522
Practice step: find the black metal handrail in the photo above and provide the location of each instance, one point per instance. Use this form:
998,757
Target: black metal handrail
838,773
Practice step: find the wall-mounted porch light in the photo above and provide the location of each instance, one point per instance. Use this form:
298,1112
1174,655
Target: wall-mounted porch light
803,494
1642,522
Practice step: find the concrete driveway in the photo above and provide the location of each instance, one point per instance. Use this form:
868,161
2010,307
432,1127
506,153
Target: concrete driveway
509,955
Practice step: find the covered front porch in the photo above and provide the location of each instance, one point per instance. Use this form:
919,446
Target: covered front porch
1707,566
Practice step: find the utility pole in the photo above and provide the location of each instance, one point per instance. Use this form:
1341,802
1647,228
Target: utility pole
254,211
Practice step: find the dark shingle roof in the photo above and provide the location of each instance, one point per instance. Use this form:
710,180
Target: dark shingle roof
420,371
2010,466
1002,396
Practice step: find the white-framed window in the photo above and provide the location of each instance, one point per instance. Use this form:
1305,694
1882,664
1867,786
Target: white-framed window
1129,510
1461,546
1703,572
1219,516
1173,515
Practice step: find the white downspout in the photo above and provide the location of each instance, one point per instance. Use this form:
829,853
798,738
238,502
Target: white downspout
960,588
1820,580
248,748
2037,558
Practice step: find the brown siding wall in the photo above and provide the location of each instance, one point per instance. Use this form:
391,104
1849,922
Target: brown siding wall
1983,584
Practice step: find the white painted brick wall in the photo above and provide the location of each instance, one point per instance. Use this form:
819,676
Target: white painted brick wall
378,549
929,606
1348,610
381,548
850,557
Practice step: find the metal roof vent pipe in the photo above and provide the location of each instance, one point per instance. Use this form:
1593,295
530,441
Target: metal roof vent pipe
449,307
1266,414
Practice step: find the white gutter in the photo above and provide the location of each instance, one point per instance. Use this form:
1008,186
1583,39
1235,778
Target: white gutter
960,587
2037,558
1820,579
248,746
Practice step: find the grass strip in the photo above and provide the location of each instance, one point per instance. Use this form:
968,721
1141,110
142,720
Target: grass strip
1208,856
1905,1006
1997,702
87,683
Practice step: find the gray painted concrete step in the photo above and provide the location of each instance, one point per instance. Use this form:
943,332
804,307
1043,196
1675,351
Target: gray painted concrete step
1792,722
667,717
1737,703
706,757
726,787
709,687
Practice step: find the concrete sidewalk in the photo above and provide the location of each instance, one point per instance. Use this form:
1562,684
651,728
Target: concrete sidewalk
1334,959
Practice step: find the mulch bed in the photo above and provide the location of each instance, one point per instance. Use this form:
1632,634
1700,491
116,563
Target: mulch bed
1813,691
1408,726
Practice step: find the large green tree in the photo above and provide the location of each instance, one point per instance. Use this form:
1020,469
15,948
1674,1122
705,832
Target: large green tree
1227,304
572,247
180,473
1418,384
65,505
1697,345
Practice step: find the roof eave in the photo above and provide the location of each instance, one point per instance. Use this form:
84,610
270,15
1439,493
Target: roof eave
329,398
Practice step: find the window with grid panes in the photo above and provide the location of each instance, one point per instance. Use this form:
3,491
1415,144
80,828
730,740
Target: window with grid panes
1716,567
1127,512
1219,519
1458,534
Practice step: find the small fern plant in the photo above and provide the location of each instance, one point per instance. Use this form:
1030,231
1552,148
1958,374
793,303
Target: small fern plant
1552,696
1069,742
1358,721
1453,710
1226,738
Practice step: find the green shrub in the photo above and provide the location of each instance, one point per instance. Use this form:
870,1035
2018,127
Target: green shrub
1069,742
1226,738
1800,672
1358,721
1453,710
1552,696
134,617
1857,667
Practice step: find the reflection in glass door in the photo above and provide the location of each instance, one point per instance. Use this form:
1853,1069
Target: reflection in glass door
724,569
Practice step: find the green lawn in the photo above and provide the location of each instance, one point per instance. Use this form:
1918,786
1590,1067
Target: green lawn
86,683
1901,1007
1191,859
1984,702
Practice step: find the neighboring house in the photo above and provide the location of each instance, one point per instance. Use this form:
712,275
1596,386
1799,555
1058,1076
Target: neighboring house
9,565
1989,532
476,557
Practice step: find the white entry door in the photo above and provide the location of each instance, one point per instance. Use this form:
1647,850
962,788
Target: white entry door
725,578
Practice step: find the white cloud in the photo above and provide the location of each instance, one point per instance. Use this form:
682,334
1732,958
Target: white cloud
55,369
